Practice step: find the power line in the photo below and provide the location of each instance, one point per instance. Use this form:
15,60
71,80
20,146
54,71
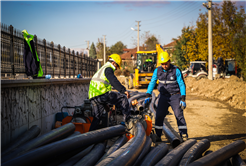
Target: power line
165,23
176,14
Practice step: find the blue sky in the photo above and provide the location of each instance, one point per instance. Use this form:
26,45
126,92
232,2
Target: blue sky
70,24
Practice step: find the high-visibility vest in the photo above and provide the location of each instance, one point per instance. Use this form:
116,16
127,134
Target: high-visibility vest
99,83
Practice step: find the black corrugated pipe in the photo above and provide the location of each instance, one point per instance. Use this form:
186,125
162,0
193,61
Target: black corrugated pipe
129,152
54,161
173,139
145,151
92,158
220,155
66,145
195,152
73,160
44,139
237,161
151,106
136,97
74,134
173,158
155,155
33,132
118,143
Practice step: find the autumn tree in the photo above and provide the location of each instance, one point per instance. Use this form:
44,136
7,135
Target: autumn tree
93,53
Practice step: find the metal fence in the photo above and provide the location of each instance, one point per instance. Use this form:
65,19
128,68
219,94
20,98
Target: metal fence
55,60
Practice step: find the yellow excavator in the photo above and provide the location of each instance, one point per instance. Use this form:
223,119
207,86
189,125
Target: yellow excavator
146,63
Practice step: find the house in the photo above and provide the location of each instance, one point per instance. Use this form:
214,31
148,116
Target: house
129,56
169,46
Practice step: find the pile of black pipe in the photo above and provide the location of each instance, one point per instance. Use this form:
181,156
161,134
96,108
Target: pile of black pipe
51,150
49,137
33,132
128,153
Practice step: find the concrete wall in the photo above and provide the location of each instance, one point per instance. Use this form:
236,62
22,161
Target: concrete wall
25,103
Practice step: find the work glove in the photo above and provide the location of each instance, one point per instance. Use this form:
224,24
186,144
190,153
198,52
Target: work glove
123,123
147,99
182,103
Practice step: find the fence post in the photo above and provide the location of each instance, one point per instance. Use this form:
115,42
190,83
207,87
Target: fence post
77,64
69,64
11,28
73,64
45,55
59,47
65,62
81,64
53,63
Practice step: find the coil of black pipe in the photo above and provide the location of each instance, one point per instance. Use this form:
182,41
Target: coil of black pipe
65,145
118,143
173,158
173,139
145,150
155,155
220,155
94,155
31,133
129,152
73,160
51,136
195,152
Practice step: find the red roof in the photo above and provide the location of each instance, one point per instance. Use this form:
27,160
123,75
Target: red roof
130,52
172,44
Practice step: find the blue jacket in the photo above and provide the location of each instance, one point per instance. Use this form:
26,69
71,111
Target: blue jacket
179,78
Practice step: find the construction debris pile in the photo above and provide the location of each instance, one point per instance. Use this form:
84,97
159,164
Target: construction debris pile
66,147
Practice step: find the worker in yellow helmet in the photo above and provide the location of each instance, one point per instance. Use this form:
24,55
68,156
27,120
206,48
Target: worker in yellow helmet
172,93
100,92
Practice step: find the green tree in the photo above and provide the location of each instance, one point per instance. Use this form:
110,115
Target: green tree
239,41
151,42
99,49
93,53
117,48
180,53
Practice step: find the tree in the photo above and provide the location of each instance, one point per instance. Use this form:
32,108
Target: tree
99,48
183,48
239,41
151,42
117,48
93,53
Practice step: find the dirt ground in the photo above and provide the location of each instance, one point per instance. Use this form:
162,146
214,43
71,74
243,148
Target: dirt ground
216,110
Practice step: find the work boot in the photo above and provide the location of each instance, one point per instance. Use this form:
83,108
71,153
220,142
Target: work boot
184,137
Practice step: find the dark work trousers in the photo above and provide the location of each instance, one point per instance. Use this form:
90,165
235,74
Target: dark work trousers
114,98
162,110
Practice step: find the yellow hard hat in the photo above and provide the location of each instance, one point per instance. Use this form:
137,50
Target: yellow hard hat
164,57
116,58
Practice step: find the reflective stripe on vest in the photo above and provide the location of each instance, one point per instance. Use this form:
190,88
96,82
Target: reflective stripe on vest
158,127
99,83
182,127
167,82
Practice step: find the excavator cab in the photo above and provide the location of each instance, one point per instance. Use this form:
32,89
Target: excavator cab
146,61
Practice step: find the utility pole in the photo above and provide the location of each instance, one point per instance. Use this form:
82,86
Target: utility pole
210,40
138,34
88,49
104,52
